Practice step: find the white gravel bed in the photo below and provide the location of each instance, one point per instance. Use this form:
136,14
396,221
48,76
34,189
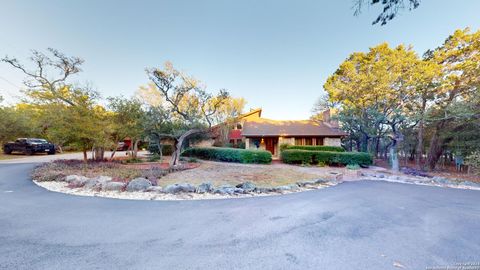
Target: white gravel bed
421,181
62,188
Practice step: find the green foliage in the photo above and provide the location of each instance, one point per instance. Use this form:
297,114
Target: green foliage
294,156
353,166
241,145
473,161
316,148
154,158
284,146
193,160
167,149
134,160
229,154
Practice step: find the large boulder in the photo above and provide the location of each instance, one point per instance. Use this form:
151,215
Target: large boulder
92,184
138,184
307,183
204,187
224,190
292,187
264,189
247,186
103,179
178,188
113,186
75,178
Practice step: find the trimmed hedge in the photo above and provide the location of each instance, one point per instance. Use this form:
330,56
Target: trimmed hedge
316,148
294,156
167,149
229,154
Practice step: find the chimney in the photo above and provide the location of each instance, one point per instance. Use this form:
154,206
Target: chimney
328,120
326,115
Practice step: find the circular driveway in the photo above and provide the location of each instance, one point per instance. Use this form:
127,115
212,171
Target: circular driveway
355,225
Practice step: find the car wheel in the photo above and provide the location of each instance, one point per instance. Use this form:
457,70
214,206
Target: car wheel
51,152
7,150
28,152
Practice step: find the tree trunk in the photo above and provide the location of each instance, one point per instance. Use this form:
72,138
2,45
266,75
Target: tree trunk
419,157
113,154
365,140
377,146
394,156
135,149
436,146
175,160
85,157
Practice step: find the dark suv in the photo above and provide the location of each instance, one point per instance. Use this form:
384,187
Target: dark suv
29,146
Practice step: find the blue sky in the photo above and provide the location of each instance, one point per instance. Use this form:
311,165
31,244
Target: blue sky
275,54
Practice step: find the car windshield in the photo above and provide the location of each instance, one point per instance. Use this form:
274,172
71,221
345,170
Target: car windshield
37,141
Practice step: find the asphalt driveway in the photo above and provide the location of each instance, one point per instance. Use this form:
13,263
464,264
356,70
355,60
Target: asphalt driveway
356,225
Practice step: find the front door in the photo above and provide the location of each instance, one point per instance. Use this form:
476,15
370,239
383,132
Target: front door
271,144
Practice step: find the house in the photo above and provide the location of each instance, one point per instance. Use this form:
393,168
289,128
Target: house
261,133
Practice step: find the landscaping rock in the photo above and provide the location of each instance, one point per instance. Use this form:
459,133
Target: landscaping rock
155,189
323,181
138,184
264,189
225,189
442,180
103,179
414,172
113,186
92,184
247,186
239,191
78,182
73,177
177,188
204,187
307,183
291,187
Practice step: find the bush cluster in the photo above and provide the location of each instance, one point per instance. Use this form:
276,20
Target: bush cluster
229,154
315,148
294,156
167,149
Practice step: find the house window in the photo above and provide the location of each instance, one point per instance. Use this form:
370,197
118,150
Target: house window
308,141
298,141
319,141
239,126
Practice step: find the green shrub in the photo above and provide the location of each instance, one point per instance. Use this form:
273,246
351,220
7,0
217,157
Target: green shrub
193,160
284,146
241,145
154,158
473,161
294,156
229,154
353,166
167,149
134,160
314,148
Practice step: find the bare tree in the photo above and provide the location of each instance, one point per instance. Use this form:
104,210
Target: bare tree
187,100
390,8
41,80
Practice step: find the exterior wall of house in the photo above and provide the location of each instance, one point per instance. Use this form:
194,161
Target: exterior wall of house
249,144
332,141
